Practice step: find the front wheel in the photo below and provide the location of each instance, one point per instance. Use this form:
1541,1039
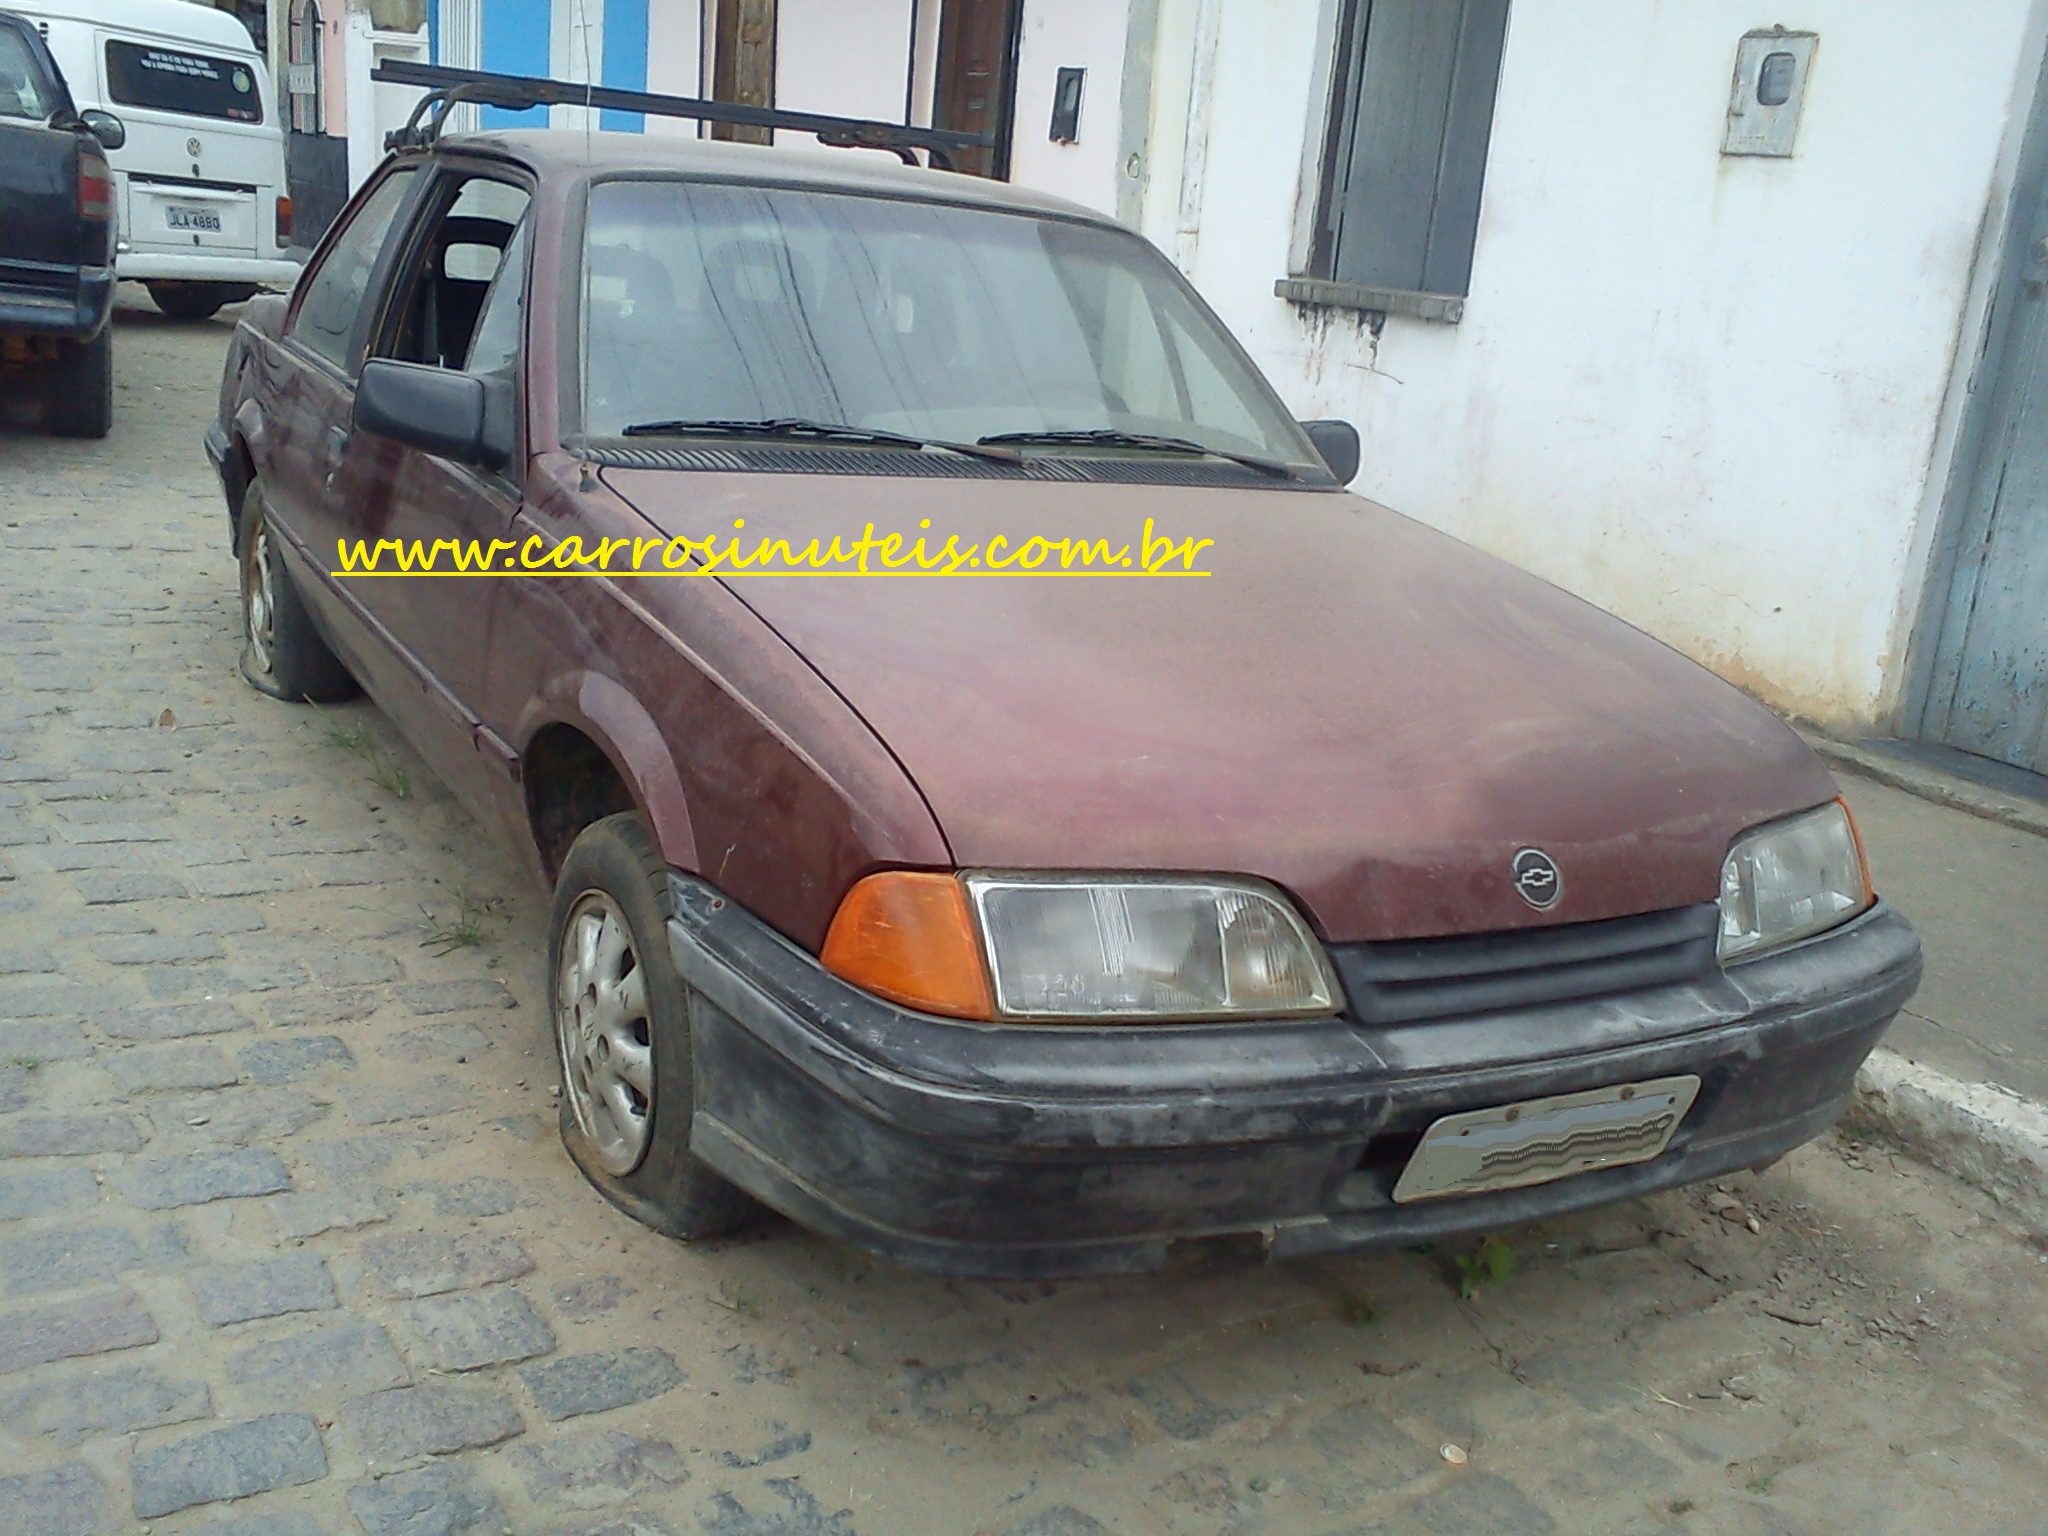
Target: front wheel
622,1036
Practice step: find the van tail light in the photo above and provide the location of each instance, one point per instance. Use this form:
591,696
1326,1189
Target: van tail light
284,220
95,186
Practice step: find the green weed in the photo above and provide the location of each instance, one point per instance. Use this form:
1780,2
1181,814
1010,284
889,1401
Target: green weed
1489,1264
467,928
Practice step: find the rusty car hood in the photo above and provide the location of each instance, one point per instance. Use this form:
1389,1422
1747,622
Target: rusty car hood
1367,712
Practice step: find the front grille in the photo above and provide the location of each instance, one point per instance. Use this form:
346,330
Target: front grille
1407,980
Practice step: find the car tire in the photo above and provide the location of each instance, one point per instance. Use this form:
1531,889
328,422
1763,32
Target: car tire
197,301
282,654
78,388
623,1046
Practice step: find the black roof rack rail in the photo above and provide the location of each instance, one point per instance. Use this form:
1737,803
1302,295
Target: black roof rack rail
447,87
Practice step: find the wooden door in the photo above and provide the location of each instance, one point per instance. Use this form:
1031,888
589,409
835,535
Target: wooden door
743,63
1990,684
976,89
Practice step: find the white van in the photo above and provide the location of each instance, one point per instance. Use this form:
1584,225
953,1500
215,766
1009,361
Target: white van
204,214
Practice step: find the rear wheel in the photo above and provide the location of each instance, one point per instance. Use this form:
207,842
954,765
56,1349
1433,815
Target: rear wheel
622,1036
78,388
282,654
197,301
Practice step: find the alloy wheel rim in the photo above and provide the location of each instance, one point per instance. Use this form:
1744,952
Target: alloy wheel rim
259,606
604,1034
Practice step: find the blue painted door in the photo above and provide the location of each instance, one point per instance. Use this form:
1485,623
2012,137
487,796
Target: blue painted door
625,58
1989,692
516,41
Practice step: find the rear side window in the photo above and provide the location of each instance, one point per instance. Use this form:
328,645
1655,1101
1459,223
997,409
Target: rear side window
171,80
335,290
23,90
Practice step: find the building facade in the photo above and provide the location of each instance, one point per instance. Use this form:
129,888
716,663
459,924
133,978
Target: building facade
1730,327
1759,387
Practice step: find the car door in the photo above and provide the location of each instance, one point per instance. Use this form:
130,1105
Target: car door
311,393
456,300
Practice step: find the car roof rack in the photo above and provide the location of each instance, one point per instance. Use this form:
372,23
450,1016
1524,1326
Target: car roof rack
448,87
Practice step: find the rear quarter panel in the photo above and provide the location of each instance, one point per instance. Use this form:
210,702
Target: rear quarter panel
246,396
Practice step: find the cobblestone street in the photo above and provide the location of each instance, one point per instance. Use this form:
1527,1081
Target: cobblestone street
289,1247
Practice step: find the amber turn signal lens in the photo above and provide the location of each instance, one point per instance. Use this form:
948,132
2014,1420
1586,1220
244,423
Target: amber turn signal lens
910,937
1862,853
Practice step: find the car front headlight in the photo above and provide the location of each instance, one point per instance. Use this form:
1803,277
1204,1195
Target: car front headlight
1048,949
1085,948
1790,880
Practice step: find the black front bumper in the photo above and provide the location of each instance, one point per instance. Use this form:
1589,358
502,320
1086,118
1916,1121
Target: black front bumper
1004,1151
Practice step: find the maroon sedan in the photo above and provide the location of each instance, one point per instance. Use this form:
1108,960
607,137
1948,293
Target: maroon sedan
1364,891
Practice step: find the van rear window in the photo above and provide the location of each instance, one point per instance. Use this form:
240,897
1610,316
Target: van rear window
171,80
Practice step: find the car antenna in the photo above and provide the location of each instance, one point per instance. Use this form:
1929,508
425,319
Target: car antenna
589,80
586,469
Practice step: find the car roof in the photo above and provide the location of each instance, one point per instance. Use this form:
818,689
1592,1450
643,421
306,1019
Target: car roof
556,151
179,19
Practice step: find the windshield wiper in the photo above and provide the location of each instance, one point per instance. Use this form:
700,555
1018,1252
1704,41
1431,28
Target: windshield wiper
1111,437
803,426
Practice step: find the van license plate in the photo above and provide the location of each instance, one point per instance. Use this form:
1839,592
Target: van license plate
192,218
1543,1139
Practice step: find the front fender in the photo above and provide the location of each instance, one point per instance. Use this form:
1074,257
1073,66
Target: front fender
602,709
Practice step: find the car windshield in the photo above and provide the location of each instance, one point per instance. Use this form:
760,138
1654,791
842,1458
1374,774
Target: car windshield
22,92
716,303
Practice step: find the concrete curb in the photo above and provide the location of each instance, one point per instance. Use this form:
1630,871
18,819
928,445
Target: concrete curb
1928,784
1987,1136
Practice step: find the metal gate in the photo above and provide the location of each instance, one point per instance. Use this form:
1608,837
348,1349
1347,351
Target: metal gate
1988,688
315,161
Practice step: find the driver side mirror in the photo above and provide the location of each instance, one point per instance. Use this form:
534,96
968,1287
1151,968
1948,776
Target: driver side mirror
1337,442
104,126
436,410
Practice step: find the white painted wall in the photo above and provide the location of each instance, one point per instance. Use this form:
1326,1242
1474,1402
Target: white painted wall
850,58
1056,34
675,58
1712,395
575,52
373,110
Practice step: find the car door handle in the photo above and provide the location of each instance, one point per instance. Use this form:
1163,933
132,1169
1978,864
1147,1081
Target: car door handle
337,449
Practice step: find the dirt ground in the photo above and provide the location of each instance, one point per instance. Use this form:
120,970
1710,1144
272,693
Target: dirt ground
287,1243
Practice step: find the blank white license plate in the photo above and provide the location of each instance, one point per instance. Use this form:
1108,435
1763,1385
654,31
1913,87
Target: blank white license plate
192,218
1543,1139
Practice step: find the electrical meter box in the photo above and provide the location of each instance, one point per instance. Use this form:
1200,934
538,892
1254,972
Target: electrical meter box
1771,69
